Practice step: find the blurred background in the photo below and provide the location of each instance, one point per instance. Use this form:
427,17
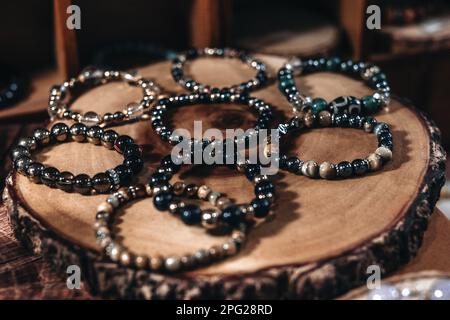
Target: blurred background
37,50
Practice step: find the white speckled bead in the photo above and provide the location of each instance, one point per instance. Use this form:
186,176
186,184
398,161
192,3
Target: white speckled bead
384,153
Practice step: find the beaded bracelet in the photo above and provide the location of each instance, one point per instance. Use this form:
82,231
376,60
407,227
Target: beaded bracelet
116,252
92,77
194,86
369,73
344,169
224,96
14,89
100,183
230,215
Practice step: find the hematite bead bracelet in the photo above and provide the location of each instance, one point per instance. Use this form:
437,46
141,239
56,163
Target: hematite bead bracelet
14,88
216,96
100,183
228,216
369,73
343,169
92,77
178,73
116,252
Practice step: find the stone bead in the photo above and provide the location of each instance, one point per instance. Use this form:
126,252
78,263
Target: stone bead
113,201
384,153
141,262
115,253
156,263
370,104
82,184
213,196
201,257
94,134
125,174
261,207
375,162
108,138
91,118
78,132
162,200
188,261
232,215
172,263
223,202
260,178
21,164
158,178
190,214
368,127
134,110
179,187
134,163
125,258
28,142
210,219
251,171
310,169
18,152
216,252
132,150
203,192
229,248
101,182
42,136
264,187
325,118
309,119
121,142
50,176
34,171
65,181
360,166
344,169
327,170
191,190
103,216
60,132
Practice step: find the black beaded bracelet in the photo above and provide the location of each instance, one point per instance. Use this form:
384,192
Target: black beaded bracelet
100,183
369,73
89,77
13,88
344,169
223,96
194,86
104,233
230,216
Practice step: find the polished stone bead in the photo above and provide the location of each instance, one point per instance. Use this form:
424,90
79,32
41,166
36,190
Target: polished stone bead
210,219
384,153
94,134
21,164
360,166
380,127
162,200
203,192
190,214
325,118
28,142
34,171
78,132
251,171
310,169
168,162
134,163
82,184
18,152
318,105
309,119
293,164
125,174
232,215
102,215
60,132
108,138
122,142
159,178
344,169
65,181
179,187
264,187
132,150
191,190
101,182
340,120
261,207
50,176
375,162
370,104
91,118
42,136
172,264
327,170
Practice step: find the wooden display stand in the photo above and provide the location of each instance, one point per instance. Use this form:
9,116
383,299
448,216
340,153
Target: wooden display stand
322,239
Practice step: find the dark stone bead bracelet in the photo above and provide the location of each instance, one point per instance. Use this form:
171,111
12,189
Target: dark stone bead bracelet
192,85
344,169
103,182
366,105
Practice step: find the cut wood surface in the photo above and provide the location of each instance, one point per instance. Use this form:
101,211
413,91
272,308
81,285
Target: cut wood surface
325,233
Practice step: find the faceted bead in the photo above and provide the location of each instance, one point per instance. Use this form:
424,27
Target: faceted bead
190,214
260,207
122,142
101,182
65,181
50,176
60,132
91,118
344,169
82,184
162,199
34,171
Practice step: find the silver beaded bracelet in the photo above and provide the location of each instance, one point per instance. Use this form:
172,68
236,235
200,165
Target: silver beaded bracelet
58,104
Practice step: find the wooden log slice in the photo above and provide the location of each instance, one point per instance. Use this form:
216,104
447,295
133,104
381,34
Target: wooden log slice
325,233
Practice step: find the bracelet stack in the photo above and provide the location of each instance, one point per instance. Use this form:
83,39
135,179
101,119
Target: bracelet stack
57,108
103,182
366,105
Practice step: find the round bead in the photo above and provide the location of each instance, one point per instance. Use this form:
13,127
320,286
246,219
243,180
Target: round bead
78,132
82,184
223,202
156,263
34,171
28,142
360,166
344,169
158,178
60,132
50,176
264,187
21,164
310,169
229,248
375,162
101,182
65,181
190,214
42,136
232,215
210,219
94,134
125,174
172,264
125,258
203,192
309,119
18,152
191,190
327,170
132,150
141,262
121,142
213,196
261,207
134,163
108,138
384,153
179,187
325,118
162,200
